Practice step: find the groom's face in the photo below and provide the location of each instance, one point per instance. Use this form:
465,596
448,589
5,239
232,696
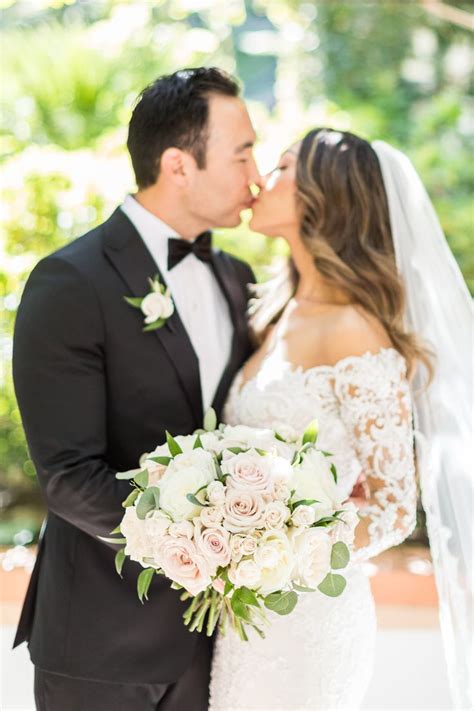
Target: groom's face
218,193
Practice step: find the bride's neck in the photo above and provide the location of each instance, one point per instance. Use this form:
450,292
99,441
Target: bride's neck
312,285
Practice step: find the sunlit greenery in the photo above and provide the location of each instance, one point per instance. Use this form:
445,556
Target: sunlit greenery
72,70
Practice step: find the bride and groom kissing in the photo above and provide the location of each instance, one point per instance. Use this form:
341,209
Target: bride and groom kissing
98,383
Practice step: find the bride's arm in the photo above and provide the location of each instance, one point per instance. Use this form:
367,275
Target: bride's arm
375,405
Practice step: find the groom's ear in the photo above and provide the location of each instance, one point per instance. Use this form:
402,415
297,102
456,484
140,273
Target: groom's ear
176,166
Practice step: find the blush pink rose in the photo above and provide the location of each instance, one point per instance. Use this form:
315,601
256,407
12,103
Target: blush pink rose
214,545
184,564
243,510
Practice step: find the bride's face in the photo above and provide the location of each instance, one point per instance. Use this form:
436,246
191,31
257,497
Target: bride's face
274,211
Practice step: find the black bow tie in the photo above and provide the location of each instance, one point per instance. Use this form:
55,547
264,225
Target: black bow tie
178,249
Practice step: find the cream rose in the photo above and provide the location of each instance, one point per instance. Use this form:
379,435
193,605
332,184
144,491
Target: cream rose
184,564
276,513
214,544
156,305
140,540
246,573
211,515
187,473
281,489
303,516
344,530
249,470
182,528
312,548
275,559
243,510
216,492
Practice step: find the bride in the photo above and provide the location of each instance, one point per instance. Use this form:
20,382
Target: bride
333,344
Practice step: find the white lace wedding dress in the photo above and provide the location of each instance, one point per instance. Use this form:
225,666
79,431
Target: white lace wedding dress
321,656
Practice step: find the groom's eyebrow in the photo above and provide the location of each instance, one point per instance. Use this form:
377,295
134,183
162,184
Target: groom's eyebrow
244,146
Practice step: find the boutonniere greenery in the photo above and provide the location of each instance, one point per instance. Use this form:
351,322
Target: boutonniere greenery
157,306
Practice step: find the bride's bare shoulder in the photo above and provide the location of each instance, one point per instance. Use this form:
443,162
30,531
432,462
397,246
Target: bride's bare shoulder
352,332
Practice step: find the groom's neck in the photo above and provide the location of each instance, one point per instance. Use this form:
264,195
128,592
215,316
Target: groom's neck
170,209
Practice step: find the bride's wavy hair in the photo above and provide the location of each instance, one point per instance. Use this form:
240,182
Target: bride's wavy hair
345,225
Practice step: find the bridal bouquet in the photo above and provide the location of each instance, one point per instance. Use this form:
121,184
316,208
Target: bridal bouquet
239,519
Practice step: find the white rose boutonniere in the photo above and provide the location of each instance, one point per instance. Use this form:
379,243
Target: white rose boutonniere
157,306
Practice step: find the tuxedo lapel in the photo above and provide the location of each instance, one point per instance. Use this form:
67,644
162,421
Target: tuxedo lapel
237,300
128,254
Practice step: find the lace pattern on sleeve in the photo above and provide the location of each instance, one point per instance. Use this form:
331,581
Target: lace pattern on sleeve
375,403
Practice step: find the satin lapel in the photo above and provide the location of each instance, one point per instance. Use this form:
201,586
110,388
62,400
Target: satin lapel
127,252
237,301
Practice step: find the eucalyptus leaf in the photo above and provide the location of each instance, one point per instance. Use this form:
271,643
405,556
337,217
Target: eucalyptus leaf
302,589
210,420
144,582
119,561
141,479
339,555
173,446
281,602
194,500
149,501
333,585
311,433
127,475
130,500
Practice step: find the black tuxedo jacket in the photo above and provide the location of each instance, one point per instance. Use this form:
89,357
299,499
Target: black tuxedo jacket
95,392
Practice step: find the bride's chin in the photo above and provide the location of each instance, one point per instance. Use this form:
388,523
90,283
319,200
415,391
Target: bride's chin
258,225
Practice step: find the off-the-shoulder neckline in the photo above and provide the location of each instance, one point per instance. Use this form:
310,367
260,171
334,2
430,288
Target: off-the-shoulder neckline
300,370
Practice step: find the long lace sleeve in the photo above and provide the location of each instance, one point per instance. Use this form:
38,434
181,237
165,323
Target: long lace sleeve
375,404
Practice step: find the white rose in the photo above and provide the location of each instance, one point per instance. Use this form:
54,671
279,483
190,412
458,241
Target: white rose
182,528
249,545
243,510
140,544
213,543
313,479
275,559
236,548
344,530
276,513
211,515
246,573
251,437
216,492
155,306
303,516
187,473
281,490
312,547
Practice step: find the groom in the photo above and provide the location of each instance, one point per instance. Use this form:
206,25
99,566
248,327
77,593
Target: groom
96,391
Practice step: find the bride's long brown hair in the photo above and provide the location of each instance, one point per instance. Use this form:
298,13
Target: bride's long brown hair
345,225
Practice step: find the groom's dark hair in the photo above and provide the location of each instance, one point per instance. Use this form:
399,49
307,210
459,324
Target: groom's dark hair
174,112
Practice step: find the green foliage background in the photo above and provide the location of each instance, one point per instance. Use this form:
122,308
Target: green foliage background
71,71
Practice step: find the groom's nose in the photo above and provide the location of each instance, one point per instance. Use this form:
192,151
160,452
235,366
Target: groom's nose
254,177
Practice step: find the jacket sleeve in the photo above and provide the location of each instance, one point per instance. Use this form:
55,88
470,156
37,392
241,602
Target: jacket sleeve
59,378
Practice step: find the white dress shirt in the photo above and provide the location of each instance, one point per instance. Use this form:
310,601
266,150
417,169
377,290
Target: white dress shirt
197,296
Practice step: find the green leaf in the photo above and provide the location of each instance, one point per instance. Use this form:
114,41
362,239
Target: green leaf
116,530
324,522
119,561
126,475
130,500
305,502
198,443
141,479
281,602
247,596
332,585
301,588
227,587
311,433
194,500
173,446
133,301
119,541
236,450
144,582
239,608
210,420
339,555
326,454
334,472
161,460
153,326
149,501
279,437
